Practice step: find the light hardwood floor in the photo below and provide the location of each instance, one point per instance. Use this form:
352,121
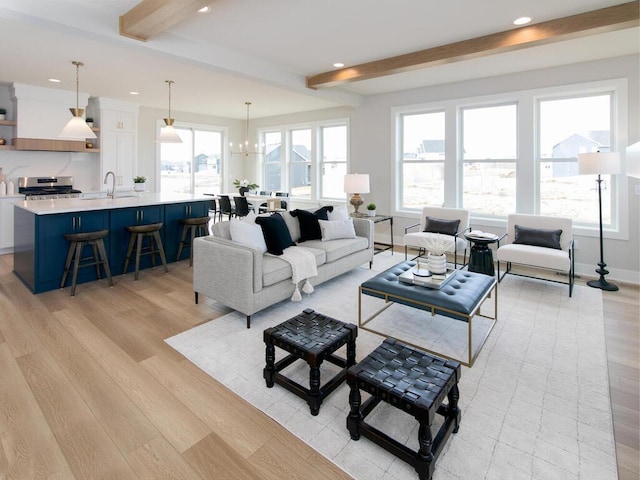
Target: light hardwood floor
90,390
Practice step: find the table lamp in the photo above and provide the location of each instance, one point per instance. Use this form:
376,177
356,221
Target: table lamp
600,163
355,184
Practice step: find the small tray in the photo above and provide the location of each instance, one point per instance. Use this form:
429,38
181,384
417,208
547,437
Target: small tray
432,281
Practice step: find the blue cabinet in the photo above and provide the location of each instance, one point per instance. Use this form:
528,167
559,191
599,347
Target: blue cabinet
42,249
173,228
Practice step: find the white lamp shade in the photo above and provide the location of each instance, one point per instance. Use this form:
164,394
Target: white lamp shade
633,160
599,163
168,134
356,183
76,129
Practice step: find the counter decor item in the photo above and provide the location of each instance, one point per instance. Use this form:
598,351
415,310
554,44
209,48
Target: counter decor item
2,141
139,183
371,209
244,186
90,121
436,258
3,189
11,188
3,114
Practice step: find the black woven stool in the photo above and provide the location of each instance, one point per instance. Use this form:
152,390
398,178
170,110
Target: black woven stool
415,382
312,337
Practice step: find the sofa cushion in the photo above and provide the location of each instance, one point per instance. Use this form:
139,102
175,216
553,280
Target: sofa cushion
336,249
309,226
538,237
336,229
535,256
339,212
276,270
247,233
440,225
276,233
293,225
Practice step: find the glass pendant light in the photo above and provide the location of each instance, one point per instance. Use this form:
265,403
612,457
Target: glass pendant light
77,128
168,134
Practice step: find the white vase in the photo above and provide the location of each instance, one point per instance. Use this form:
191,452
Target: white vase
437,263
138,187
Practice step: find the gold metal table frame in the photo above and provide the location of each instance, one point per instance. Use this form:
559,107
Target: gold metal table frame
390,299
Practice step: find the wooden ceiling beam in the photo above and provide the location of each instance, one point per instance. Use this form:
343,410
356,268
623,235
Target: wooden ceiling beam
607,19
150,17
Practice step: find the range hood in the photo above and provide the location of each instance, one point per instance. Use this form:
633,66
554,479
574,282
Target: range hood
41,114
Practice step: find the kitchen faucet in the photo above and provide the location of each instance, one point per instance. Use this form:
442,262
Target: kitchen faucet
113,190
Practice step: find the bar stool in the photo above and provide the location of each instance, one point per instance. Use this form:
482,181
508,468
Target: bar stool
74,255
138,234
196,227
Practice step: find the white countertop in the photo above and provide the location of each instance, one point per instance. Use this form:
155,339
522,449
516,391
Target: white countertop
125,200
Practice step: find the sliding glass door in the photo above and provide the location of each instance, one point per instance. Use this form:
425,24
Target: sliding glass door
193,166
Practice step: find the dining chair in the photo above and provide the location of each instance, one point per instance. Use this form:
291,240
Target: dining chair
242,206
225,206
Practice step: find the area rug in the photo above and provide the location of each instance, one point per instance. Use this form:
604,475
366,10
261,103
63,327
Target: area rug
535,405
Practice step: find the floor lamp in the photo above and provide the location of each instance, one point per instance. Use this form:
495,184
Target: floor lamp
600,163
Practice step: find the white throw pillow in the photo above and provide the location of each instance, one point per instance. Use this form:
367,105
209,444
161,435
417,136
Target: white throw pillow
339,213
335,229
293,225
250,218
247,233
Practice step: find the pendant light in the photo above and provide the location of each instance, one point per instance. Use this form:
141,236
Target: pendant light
168,134
77,128
244,147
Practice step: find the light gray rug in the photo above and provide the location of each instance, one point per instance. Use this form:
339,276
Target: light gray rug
535,405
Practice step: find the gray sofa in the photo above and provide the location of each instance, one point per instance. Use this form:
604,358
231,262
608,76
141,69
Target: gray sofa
248,281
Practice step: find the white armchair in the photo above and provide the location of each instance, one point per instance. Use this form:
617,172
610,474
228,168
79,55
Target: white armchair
541,242
439,224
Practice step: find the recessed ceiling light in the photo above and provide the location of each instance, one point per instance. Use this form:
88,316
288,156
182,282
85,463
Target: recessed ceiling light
54,80
338,65
134,93
522,21
204,9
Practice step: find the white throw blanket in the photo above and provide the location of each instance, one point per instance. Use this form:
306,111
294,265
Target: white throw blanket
303,266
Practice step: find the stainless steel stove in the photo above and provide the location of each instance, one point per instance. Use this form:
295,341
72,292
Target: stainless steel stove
47,188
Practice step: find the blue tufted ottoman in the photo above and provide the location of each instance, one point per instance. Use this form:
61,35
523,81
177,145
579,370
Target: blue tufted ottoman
460,299
414,382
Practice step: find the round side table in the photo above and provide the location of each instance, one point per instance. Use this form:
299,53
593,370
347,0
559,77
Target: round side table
481,256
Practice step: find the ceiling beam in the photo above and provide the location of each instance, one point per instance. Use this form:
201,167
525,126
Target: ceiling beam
151,17
603,20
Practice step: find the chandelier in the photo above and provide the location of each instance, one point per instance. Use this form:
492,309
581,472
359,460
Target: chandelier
243,148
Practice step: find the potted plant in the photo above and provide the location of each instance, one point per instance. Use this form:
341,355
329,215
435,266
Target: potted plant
371,209
244,186
138,183
3,114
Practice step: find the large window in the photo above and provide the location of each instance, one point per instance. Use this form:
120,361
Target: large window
333,163
192,166
513,152
308,161
568,127
489,138
422,164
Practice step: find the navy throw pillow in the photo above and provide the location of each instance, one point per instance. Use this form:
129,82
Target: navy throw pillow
276,234
538,237
309,225
440,225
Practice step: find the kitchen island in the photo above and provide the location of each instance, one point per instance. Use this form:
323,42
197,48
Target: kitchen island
39,226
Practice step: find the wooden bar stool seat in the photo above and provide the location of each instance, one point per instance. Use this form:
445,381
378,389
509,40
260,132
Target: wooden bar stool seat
196,227
138,233
74,256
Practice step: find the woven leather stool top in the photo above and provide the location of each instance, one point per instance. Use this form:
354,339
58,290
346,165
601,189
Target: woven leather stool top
195,221
86,236
312,333
409,379
151,227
